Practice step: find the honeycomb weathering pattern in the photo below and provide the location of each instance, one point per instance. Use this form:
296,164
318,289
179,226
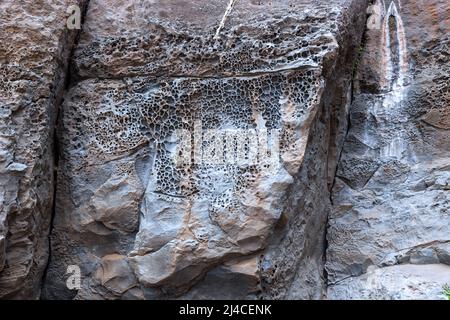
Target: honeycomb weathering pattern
148,111
140,77
158,194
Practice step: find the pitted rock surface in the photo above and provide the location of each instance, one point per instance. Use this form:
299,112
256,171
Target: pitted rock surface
142,76
34,53
224,149
389,230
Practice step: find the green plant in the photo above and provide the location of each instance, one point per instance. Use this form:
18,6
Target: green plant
446,291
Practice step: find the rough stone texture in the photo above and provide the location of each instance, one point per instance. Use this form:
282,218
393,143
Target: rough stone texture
389,232
158,194
400,282
292,266
141,225
34,50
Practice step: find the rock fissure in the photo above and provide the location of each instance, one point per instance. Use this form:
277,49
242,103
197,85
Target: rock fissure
56,147
224,18
249,75
34,55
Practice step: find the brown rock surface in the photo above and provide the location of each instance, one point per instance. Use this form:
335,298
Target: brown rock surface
220,149
34,52
142,75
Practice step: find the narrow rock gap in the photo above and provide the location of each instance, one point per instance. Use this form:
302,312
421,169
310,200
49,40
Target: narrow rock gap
353,91
56,147
243,75
394,47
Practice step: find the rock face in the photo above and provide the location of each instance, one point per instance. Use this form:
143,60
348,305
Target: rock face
160,191
225,149
389,230
34,51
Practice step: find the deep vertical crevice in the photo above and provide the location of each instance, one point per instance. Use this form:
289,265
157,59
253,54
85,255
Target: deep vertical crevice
354,90
68,78
394,48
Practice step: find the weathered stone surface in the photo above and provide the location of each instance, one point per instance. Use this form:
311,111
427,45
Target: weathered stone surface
140,76
391,197
225,149
400,282
34,50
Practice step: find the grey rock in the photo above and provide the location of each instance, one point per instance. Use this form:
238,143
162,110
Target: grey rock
424,256
143,73
387,217
401,282
35,47
225,150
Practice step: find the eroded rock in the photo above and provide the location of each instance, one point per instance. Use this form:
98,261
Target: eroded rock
397,212
401,282
273,77
35,46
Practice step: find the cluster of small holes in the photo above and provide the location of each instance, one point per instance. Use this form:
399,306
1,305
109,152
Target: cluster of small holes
16,82
126,119
268,275
236,51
